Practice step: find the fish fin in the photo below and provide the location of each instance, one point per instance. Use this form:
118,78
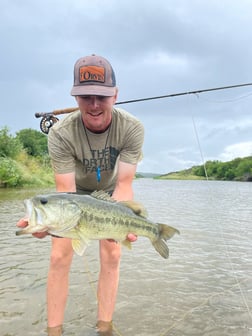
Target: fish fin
102,195
66,233
161,247
166,232
127,243
136,207
79,246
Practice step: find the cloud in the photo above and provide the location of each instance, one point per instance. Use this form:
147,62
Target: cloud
156,48
241,149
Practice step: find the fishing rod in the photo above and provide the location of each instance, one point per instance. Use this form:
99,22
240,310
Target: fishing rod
49,119
184,93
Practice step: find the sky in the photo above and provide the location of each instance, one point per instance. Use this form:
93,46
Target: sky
156,48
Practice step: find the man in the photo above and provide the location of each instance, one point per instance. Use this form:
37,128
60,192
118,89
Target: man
95,148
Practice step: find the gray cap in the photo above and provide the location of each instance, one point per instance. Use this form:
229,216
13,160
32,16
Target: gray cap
93,75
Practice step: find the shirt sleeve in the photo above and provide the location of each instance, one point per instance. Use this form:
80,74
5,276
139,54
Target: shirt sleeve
132,149
61,153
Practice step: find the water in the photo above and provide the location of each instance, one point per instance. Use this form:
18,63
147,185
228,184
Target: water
204,288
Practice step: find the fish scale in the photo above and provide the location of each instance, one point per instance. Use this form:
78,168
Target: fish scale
119,218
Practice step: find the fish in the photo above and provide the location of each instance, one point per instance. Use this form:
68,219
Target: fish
97,216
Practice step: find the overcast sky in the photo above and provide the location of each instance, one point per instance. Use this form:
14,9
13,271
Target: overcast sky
156,48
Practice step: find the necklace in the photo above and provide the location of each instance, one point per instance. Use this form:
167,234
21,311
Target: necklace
98,168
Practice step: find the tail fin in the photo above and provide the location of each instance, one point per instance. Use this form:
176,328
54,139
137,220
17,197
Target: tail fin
165,232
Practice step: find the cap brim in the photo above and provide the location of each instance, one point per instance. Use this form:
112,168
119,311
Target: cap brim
96,90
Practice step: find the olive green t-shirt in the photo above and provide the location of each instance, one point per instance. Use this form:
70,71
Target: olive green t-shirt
73,148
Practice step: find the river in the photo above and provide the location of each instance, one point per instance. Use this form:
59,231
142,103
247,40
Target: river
204,288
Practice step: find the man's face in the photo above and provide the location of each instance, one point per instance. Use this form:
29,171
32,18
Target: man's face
96,111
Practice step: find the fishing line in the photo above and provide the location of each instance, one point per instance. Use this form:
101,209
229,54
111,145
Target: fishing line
244,299
200,149
202,304
237,282
223,101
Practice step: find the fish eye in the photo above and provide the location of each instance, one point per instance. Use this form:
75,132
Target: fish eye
43,200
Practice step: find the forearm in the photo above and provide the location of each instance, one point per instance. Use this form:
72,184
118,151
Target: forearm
123,189
123,192
65,182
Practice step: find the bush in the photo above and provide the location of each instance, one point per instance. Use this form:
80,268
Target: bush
10,174
34,142
9,146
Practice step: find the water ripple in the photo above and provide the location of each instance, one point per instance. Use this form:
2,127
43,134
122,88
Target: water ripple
204,288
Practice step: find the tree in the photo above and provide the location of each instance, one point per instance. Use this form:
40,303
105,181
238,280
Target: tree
211,167
198,170
33,141
9,146
244,168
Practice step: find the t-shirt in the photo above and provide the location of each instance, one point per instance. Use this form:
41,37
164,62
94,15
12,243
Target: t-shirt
73,148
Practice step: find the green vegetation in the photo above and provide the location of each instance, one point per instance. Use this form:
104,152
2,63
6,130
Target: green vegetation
34,142
239,169
24,159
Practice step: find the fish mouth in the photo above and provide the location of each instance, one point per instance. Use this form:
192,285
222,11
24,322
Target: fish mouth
28,206
32,212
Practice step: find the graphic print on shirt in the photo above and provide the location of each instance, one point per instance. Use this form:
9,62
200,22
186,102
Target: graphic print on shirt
105,159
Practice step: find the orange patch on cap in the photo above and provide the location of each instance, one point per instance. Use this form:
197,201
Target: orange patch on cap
92,73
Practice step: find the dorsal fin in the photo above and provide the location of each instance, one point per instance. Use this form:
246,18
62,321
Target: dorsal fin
136,207
102,195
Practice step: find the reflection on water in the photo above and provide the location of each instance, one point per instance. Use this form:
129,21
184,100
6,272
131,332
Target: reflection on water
204,288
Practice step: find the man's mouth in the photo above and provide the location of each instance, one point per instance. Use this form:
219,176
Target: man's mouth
94,115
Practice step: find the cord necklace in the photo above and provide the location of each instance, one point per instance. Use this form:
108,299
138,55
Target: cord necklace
98,168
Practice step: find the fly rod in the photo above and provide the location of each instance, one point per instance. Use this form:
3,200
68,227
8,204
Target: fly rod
49,119
184,93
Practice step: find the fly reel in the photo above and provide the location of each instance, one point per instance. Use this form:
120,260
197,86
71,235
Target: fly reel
49,119
47,122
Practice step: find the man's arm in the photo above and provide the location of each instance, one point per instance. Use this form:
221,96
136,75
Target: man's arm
65,182
123,189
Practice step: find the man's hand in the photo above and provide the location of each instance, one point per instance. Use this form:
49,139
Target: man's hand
23,222
131,237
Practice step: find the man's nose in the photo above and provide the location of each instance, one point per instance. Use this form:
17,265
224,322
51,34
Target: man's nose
94,101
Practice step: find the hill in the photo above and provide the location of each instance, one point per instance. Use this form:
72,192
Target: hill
239,169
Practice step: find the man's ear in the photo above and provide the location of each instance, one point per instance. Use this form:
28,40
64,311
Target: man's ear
116,94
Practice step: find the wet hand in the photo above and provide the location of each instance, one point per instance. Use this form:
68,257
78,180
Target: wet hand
131,237
23,222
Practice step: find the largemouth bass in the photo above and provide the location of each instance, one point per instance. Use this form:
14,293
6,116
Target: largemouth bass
96,216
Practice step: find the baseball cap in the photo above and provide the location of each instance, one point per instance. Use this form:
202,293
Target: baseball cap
93,75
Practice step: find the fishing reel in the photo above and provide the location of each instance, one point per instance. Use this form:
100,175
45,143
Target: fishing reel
47,121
